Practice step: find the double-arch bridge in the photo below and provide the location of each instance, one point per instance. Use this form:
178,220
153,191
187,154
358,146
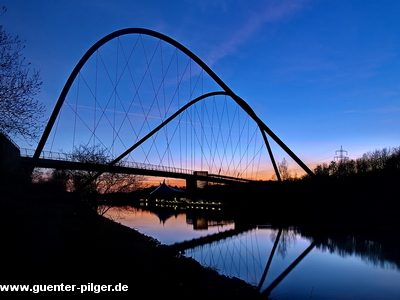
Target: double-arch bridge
156,109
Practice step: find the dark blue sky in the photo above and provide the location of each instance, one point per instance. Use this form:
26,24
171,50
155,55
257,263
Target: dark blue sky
320,74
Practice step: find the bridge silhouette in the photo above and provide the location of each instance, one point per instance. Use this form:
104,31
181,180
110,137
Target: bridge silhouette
158,110
63,161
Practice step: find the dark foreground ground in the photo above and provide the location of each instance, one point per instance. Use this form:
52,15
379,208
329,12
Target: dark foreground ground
53,239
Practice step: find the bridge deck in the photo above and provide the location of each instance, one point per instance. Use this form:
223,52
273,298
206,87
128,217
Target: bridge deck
158,171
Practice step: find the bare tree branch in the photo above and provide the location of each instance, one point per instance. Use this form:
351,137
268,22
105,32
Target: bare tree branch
20,112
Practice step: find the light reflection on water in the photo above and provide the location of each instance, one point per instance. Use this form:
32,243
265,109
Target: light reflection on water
334,269
167,227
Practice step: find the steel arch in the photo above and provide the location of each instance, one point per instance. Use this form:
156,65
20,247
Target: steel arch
243,104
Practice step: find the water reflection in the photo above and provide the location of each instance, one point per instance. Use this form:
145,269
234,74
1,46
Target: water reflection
169,225
383,253
284,262
286,238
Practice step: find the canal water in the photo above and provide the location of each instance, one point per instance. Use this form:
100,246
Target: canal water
339,267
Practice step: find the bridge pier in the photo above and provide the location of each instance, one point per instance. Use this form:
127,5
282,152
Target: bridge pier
13,177
198,181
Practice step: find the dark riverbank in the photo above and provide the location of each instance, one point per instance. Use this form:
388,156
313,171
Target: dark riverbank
348,203
50,239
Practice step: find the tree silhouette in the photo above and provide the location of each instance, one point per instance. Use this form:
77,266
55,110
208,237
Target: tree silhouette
283,168
377,162
87,182
20,113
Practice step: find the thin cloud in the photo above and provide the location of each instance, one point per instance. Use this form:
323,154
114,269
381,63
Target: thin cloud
384,110
388,109
119,112
272,11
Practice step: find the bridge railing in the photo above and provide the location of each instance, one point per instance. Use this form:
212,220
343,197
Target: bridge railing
45,154
127,164
137,165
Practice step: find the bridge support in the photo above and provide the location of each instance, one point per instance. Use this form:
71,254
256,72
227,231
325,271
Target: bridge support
198,181
13,177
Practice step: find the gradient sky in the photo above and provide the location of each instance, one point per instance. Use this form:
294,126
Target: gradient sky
320,74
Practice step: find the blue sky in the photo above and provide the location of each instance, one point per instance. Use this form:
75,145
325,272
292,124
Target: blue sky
320,74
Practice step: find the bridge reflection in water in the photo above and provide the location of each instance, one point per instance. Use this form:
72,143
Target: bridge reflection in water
284,263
